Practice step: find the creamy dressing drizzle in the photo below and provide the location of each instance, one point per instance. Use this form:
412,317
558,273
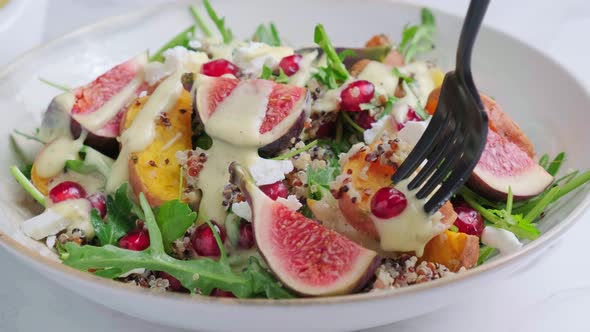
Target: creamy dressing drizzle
52,159
142,131
305,71
412,229
381,76
234,130
99,118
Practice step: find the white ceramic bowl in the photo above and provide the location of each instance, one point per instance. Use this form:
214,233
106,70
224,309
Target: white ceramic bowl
542,96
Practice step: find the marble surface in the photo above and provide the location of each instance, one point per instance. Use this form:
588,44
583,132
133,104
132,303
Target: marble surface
552,293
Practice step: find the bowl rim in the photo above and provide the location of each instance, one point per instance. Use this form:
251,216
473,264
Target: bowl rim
35,258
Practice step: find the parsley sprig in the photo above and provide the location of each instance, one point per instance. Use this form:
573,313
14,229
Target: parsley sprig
419,38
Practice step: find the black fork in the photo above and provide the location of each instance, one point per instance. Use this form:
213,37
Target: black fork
455,138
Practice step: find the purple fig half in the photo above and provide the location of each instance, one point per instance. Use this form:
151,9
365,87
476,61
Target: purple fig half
99,106
285,110
504,165
307,257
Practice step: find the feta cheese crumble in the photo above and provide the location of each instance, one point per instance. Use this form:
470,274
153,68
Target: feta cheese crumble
175,58
268,171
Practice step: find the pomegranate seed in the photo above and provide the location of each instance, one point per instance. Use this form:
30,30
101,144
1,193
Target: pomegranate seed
290,64
174,284
98,202
221,293
355,94
246,239
468,220
218,68
326,130
66,190
365,120
275,190
412,115
136,240
388,203
204,243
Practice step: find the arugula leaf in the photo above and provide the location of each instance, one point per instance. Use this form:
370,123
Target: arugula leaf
555,165
322,178
418,39
335,72
337,146
388,108
396,72
200,22
267,34
291,154
200,275
346,53
122,213
263,282
268,74
225,32
27,185
501,218
58,86
544,161
282,77
203,141
182,39
174,218
485,253
351,123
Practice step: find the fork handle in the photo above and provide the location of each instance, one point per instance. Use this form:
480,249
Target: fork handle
475,13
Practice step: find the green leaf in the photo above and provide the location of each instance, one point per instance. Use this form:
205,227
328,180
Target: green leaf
454,228
335,72
200,22
58,86
419,109
122,213
485,253
264,283
320,178
544,161
182,39
204,141
292,154
267,34
282,78
27,185
555,165
351,123
266,72
345,54
417,39
174,218
396,72
201,275
225,32
109,231
79,166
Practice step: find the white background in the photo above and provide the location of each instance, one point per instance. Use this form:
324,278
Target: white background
552,294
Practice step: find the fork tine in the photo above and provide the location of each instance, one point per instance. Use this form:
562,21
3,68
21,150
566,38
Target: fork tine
438,154
453,156
450,186
423,147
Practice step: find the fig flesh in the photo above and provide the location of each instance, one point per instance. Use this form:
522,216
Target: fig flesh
308,258
97,107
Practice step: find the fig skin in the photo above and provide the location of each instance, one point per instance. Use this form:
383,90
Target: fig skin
284,141
502,124
241,178
108,146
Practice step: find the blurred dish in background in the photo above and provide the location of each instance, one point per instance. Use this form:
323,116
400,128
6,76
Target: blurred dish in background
21,26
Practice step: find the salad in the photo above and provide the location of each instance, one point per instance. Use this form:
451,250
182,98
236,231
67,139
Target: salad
247,168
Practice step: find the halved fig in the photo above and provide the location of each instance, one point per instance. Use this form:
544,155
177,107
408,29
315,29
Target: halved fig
98,107
285,109
507,160
364,175
154,171
308,258
504,165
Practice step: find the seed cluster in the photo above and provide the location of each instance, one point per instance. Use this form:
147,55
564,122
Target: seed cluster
406,271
